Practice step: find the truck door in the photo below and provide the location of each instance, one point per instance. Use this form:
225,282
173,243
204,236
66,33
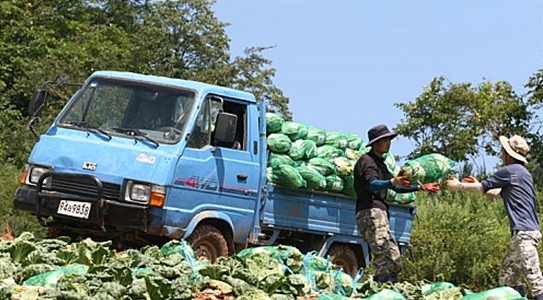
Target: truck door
218,178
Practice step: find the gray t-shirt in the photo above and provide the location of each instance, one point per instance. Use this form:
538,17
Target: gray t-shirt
518,195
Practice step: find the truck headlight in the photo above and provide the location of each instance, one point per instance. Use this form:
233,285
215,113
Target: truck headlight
31,174
145,193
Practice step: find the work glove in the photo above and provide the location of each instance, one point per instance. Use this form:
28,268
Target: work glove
430,188
452,184
400,180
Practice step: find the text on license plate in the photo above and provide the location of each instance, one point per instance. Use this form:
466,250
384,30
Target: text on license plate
74,209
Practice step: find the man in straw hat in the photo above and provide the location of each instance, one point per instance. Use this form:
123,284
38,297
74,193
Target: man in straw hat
514,184
371,181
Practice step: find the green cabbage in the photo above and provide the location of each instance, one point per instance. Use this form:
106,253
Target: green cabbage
286,176
314,179
284,159
279,143
334,183
428,168
353,141
322,165
317,135
294,130
336,139
274,122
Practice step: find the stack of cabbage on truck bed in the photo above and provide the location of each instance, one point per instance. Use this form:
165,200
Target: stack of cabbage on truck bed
307,157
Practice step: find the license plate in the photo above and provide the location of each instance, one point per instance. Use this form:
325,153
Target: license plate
74,209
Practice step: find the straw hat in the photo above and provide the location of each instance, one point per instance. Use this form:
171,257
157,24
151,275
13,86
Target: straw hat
516,146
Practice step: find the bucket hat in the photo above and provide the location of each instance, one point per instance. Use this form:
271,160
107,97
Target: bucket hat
378,132
515,146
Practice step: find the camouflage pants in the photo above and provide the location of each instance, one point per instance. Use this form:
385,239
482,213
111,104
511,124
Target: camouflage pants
522,260
374,227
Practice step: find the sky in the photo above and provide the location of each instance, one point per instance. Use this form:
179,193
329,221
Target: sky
344,63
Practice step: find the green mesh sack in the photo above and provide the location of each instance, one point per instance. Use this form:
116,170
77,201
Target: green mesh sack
428,168
394,169
278,142
274,122
294,130
285,175
281,159
403,198
343,165
299,149
317,135
348,186
353,141
49,279
434,287
314,179
391,164
311,149
336,139
502,293
363,149
388,294
329,152
353,154
334,183
323,166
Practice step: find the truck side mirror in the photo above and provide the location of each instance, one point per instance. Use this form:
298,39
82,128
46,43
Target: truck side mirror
225,129
36,103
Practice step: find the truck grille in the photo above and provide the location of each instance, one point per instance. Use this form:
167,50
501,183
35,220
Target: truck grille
85,186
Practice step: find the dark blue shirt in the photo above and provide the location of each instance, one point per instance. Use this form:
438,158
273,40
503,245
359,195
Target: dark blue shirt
518,195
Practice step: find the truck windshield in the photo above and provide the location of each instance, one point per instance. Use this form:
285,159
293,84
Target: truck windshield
150,113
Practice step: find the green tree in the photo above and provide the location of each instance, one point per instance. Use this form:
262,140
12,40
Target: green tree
462,121
42,40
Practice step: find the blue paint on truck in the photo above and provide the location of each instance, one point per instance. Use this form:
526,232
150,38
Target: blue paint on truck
141,159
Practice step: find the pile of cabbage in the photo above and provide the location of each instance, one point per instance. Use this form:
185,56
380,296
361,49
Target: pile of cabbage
307,157
60,269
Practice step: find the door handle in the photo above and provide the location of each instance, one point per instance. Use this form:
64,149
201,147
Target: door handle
242,176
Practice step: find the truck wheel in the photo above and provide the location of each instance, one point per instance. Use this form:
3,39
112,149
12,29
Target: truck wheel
208,243
343,256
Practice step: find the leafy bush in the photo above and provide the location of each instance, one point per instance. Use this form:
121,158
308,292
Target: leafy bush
461,238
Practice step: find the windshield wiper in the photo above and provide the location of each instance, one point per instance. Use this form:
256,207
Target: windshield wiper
137,134
89,127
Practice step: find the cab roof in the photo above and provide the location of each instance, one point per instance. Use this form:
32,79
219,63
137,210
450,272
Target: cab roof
200,87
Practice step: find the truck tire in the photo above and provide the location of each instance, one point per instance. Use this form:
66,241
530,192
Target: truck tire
343,256
208,243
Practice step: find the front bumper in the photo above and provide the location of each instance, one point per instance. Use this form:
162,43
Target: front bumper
103,212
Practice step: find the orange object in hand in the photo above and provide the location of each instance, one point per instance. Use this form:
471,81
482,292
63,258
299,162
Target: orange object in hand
470,179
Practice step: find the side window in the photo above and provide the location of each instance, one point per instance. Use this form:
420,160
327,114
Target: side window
240,110
202,133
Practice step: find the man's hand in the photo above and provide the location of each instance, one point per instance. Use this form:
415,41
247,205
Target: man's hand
452,184
470,179
400,179
430,188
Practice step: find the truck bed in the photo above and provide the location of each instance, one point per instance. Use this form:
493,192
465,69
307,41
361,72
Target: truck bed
327,213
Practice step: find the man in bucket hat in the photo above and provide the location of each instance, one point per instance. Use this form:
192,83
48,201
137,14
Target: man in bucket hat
514,184
371,181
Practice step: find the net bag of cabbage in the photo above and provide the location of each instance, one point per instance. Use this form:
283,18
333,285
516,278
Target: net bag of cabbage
427,168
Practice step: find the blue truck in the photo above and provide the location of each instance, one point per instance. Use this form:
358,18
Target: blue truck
139,160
